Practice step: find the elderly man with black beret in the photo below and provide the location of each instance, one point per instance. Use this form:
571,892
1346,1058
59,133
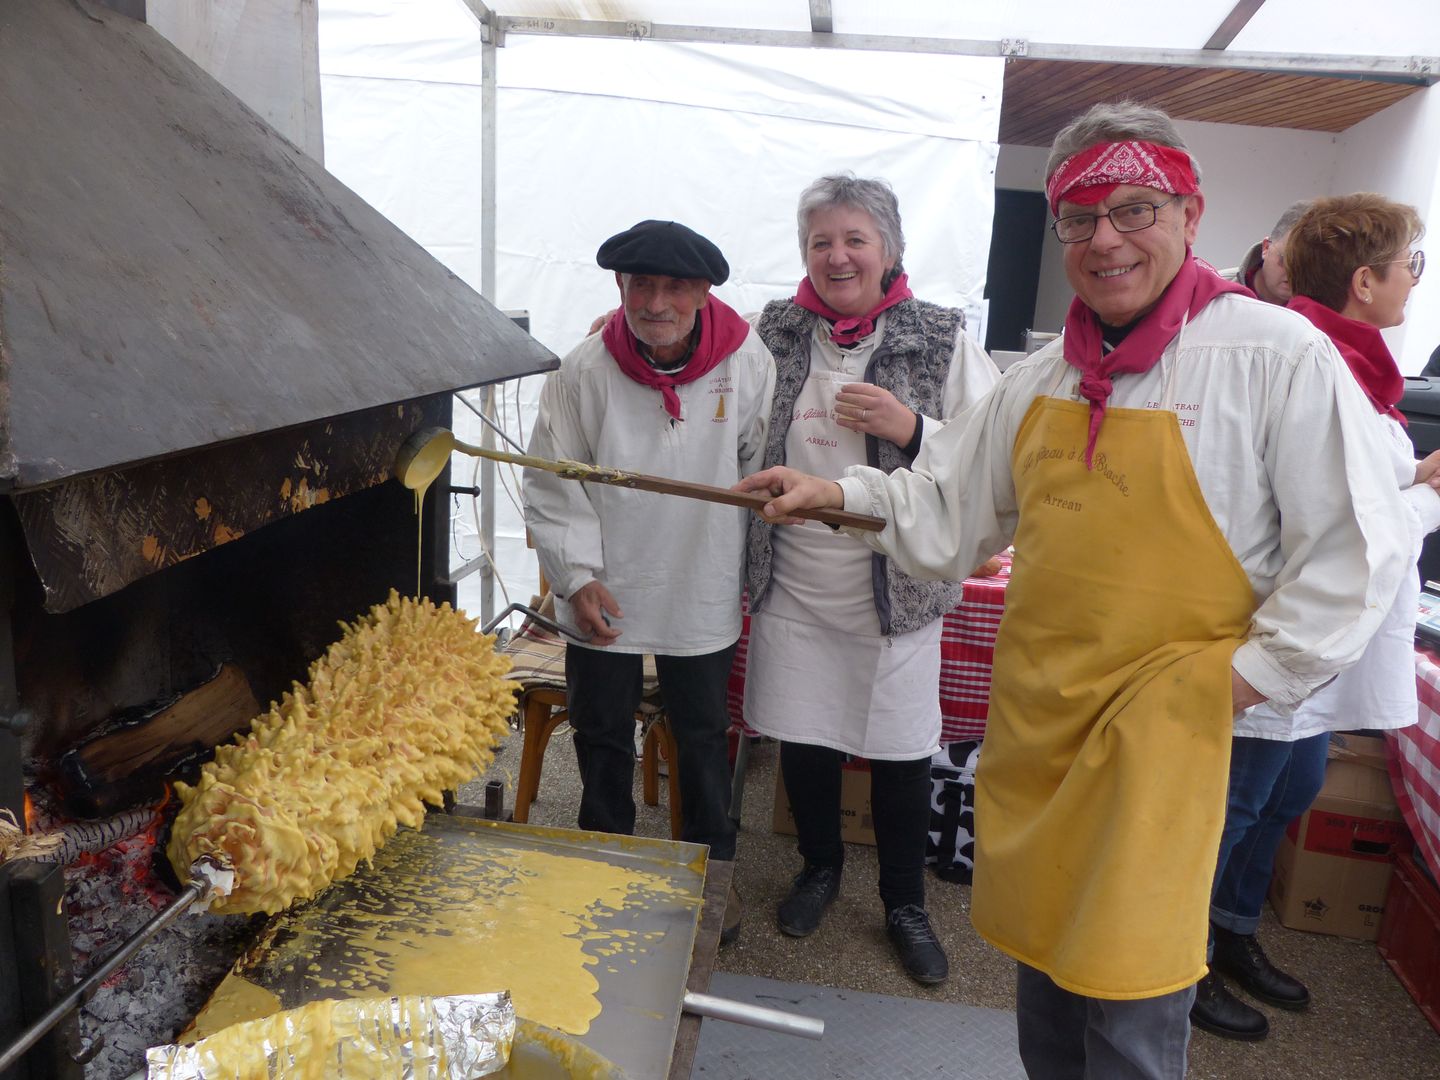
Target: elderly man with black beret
676,384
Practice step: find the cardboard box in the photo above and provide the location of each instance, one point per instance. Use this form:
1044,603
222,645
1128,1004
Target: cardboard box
1333,868
856,824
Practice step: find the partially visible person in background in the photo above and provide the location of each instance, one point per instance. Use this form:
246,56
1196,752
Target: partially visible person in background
1263,270
844,653
1352,263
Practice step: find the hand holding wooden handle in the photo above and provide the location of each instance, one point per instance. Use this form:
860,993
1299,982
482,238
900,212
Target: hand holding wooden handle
599,474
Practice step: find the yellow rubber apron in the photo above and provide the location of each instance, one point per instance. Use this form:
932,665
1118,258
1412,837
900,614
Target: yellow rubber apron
1101,786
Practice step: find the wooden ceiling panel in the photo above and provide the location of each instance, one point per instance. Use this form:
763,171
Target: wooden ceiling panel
1042,96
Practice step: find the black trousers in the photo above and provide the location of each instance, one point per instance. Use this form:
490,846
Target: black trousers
899,801
602,692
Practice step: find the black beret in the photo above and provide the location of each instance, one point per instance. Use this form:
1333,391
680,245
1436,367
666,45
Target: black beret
664,247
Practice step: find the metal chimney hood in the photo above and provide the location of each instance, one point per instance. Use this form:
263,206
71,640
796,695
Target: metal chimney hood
174,274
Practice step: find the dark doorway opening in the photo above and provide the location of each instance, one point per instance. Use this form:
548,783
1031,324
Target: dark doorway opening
1012,279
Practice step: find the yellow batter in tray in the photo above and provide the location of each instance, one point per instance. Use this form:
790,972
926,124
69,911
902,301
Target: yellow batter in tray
591,933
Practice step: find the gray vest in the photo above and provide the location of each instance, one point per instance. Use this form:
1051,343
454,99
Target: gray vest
911,362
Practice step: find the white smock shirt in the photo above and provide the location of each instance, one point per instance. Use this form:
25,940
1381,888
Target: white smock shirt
1378,693
1271,417
818,670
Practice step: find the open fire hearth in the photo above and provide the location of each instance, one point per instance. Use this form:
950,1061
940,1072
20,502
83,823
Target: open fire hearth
210,352
115,882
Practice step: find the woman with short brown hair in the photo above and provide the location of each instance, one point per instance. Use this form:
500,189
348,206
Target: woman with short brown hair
1347,247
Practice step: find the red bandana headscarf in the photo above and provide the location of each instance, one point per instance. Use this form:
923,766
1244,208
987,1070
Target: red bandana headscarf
1092,174
849,329
1364,350
722,331
1194,286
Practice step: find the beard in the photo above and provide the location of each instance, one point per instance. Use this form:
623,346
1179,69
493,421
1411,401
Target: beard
658,333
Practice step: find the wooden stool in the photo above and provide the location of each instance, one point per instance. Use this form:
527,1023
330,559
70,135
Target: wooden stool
660,742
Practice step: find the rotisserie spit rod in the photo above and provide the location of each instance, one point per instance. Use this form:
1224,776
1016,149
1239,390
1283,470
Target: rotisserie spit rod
425,454
743,1012
207,879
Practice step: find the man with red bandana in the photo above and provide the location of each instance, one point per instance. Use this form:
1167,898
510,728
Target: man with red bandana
1185,476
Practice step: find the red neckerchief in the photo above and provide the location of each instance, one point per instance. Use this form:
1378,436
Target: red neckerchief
1193,286
849,329
1364,351
722,331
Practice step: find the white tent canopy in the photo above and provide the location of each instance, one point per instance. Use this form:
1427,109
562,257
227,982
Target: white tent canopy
693,120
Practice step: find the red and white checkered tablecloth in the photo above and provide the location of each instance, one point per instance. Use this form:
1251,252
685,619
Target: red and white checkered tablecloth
967,655
1414,761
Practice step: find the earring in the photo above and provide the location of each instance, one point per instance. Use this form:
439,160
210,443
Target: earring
1365,299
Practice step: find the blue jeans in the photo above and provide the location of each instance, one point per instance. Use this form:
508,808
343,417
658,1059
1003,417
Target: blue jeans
1271,784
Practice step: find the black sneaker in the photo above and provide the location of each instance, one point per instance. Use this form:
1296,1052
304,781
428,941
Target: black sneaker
1220,1012
811,892
1241,957
916,944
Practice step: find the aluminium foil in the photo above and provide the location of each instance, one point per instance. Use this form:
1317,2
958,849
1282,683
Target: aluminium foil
459,1037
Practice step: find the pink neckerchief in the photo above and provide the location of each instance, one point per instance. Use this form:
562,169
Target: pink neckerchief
722,331
1365,352
849,329
1194,286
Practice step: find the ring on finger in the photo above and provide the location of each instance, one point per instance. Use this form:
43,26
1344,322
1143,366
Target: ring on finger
864,415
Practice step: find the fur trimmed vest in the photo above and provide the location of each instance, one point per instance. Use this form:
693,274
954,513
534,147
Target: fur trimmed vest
911,362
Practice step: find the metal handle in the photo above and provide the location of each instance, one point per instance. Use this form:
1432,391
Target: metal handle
544,620
742,1012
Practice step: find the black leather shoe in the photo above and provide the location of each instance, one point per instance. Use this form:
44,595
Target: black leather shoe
1241,957
1220,1012
919,949
811,892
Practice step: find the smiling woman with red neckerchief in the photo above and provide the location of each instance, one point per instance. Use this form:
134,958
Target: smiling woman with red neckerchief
844,653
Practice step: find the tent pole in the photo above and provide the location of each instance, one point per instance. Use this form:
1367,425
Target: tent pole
488,85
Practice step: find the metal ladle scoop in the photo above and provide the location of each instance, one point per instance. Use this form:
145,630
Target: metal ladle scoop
423,456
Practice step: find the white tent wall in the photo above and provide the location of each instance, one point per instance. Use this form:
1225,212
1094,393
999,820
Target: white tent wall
1397,153
596,135
263,51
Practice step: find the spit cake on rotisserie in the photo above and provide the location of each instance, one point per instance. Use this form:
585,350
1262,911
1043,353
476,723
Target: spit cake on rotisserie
407,704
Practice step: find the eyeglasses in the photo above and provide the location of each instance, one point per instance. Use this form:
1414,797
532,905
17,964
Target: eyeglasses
1416,263
1132,217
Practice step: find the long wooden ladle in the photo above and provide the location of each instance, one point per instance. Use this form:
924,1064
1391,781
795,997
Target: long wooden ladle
424,455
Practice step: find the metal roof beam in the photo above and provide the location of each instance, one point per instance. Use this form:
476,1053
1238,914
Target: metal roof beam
1418,70
822,20
1240,15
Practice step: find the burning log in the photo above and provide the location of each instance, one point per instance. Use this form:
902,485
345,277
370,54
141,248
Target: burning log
137,751
69,842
